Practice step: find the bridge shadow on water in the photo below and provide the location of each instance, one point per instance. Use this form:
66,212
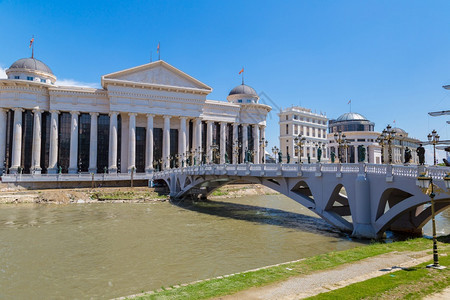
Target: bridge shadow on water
265,216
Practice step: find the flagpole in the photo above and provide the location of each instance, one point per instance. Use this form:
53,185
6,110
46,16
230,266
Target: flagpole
159,51
242,75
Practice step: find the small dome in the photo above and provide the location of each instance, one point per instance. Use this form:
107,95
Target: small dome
351,117
243,89
31,64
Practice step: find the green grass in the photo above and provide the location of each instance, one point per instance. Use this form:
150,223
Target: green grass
239,282
219,192
411,283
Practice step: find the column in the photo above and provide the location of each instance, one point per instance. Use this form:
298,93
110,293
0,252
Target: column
235,140
73,160
132,143
198,139
209,139
2,140
262,156
256,143
223,139
17,141
188,146
244,141
182,141
53,151
93,143
149,145
113,142
36,148
166,143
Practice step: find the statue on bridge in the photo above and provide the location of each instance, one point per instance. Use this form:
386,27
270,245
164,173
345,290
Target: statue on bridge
361,153
280,157
319,154
408,155
227,160
421,154
288,158
333,157
309,159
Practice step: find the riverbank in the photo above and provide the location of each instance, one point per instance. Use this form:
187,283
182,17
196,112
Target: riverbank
332,271
116,194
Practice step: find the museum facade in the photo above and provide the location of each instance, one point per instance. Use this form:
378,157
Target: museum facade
148,117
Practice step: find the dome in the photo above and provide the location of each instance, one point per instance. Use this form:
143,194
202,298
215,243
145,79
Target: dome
31,64
351,117
243,89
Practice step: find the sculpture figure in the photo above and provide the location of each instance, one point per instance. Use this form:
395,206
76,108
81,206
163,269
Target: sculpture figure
408,155
309,159
333,157
319,154
421,154
280,157
361,153
288,158
227,161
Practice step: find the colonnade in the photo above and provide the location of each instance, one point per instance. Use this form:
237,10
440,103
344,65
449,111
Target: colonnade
186,152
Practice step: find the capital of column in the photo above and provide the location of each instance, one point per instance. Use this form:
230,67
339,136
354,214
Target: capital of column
74,112
209,121
35,111
167,117
94,114
132,114
184,118
113,113
150,115
54,111
18,109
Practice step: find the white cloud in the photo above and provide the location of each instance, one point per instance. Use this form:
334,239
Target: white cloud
2,73
72,82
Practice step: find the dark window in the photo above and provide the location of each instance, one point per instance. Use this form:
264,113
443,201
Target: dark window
204,125
27,140
190,128
45,141
64,141
84,138
173,146
102,143
287,128
9,137
229,142
30,78
250,138
157,147
140,149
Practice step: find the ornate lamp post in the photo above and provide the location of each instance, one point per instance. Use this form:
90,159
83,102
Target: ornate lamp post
433,138
275,151
386,138
425,182
339,138
298,141
236,147
263,143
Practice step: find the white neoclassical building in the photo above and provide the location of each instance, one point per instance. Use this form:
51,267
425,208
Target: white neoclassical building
309,128
146,117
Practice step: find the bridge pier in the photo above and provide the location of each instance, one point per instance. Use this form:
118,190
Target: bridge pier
362,225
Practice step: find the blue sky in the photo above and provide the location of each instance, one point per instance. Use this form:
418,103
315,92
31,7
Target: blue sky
389,57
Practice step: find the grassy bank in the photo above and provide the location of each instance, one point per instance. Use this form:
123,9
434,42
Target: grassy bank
242,281
409,283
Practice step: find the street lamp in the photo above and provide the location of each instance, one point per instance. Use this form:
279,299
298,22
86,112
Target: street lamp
386,137
433,138
298,141
339,138
425,182
263,142
275,151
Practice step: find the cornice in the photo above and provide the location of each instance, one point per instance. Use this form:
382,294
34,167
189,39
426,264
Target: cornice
137,96
151,86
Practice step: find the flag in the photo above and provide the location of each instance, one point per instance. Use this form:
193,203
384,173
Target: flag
350,101
394,121
241,71
157,48
31,42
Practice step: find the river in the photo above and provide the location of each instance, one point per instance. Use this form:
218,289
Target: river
100,251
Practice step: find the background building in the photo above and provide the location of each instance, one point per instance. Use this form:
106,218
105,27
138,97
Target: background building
298,121
146,117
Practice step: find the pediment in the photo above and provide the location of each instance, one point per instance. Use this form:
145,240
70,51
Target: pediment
158,73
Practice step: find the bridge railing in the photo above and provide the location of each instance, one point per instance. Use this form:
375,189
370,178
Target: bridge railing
290,170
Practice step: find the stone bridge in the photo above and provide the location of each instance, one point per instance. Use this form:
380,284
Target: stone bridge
364,199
